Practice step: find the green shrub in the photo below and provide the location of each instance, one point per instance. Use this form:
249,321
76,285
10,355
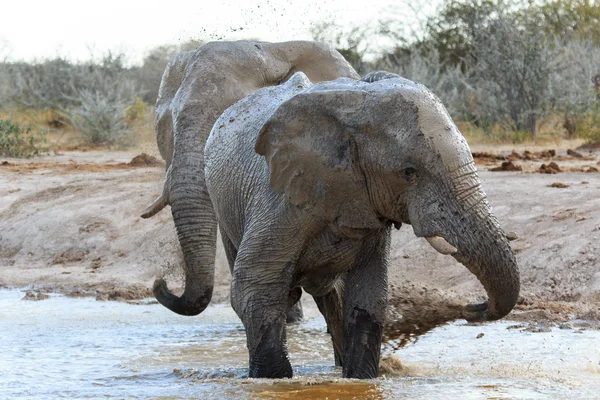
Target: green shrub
588,127
136,111
19,141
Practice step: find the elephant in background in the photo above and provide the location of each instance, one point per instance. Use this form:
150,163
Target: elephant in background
197,86
307,180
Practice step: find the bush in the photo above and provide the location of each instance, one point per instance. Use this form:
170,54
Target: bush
19,141
100,119
589,126
136,111
154,64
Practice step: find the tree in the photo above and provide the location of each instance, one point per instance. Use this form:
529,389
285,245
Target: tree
353,45
572,19
154,64
514,66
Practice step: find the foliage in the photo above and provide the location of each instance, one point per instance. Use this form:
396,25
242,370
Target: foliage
513,66
571,19
572,86
502,66
452,31
18,141
101,118
154,64
136,111
353,44
588,127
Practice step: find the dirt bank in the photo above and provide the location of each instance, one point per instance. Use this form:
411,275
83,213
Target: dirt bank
70,223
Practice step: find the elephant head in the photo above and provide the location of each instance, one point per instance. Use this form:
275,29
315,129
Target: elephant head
196,88
359,155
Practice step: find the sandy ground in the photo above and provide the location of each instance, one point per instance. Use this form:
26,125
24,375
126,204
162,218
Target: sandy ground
70,223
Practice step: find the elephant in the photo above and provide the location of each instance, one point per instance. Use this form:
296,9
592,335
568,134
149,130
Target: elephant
196,87
308,179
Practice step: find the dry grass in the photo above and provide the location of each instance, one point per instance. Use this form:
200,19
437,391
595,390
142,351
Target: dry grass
62,136
550,133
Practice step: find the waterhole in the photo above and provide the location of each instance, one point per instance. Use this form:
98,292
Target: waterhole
82,348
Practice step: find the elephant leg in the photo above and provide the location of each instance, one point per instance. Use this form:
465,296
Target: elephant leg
331,306
262,310
365,302
260,290
294,312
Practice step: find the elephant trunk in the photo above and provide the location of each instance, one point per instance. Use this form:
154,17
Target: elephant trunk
486,252
493,263
195,220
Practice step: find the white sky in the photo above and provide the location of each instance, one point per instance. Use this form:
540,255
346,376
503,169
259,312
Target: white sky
41,29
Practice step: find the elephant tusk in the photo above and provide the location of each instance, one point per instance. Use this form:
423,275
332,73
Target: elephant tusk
441,245
155,207
510,235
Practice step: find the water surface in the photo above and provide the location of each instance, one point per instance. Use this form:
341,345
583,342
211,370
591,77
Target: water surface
82,348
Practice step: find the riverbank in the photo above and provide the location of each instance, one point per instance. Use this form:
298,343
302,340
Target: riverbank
69,223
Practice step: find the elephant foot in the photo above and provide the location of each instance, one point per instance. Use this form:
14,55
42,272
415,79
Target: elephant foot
271,362
267,346
362,346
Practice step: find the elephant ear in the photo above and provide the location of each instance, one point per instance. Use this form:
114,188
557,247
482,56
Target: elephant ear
313,159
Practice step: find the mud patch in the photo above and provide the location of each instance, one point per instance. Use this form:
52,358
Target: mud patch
70,256
559,185
145,160
551,168
574,153
413,311
33,295
508,166
94,224
134,292
393,366
8,252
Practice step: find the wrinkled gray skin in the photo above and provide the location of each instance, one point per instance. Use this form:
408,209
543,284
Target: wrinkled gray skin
307,181
196,88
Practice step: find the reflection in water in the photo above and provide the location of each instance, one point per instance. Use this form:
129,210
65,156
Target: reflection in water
82,348
341,391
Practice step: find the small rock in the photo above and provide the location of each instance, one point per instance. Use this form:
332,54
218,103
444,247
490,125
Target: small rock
35,296
145,160
559,185
539,328
96,263
551,168
548,153
574,153
480,336
508,166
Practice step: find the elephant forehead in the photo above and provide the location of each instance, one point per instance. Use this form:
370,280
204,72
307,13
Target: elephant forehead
441,134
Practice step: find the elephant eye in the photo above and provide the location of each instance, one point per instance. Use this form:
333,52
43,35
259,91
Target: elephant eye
410,174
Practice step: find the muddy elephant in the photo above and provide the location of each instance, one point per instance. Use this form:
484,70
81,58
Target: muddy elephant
307,180
196,88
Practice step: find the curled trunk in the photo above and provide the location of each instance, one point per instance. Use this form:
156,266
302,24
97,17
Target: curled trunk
485,250
193,214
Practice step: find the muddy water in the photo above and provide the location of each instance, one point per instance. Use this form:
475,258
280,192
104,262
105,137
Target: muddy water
82,348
